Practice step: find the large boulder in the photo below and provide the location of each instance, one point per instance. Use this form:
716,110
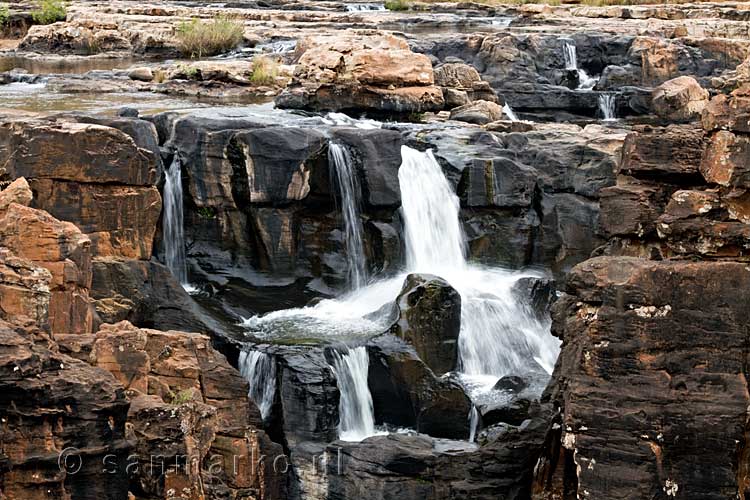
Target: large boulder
729,112
430,320
373,73
671,153
680,99
726,161
477,112
629,328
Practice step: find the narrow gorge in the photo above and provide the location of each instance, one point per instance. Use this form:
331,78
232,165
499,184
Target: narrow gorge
342,250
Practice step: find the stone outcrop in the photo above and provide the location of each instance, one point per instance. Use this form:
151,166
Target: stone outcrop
348,72
63,421
477,112
430,320
189,407
680,99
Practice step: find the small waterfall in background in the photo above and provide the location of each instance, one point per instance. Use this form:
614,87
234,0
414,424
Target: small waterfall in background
356,415
259,369
607,106
570,55
365,7
351,195
508,111
172,223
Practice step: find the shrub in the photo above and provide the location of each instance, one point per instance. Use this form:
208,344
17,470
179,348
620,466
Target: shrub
182,397
208,38
49,11
265,71
397,5
4,14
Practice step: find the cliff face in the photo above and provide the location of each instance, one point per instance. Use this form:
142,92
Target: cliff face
651,383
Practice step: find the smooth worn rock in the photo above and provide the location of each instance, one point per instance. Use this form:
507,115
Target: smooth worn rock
18,192
430,320
680,99
478,112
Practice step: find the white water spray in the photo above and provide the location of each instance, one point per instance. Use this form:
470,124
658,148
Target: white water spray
172,223
585,82
508,111
356,415
342,170
259,369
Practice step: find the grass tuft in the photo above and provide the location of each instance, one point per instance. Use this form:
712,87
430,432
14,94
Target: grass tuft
197,38
49,11
4,14
397,5
265,70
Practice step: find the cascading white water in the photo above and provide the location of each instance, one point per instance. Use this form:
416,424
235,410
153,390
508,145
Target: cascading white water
342,165
569,53
259,369
508,111
473,423
365,7
499,334
585,82
356,415
172,223
607,106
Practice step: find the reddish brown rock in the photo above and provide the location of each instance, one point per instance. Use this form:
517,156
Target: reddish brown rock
651,381
726,161
672,152
18,192
729,112
344,72
679,99
60,248
50,402
74,152
186,390
24,289
632,207
120,220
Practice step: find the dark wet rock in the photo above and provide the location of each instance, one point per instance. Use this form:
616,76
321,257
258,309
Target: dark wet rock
538,293
499,182
430,320
626,323
512,383
88,407
501,236
423,467
146,294
377,155
406,393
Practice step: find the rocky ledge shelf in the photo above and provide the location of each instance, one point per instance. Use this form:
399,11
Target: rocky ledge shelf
374,251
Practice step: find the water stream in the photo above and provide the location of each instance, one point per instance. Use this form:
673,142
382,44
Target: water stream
585,82
508,111
172,223
345,178
259,369
607,106
356,415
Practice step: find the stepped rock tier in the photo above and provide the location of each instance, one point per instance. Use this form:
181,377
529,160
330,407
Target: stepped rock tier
348,250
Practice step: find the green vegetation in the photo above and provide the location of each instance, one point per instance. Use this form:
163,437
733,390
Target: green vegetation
265,70
4,14
207,212
397,5
182,397
49,11
198,38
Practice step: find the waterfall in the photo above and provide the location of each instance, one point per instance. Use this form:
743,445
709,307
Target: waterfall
259,369
508,111
569,53
356,416
365,7
607,106
342,165
473,423
172,223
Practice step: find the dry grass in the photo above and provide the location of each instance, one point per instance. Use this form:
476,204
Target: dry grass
208,38
265,70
